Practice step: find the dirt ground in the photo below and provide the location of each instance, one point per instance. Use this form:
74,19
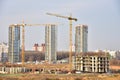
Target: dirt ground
87,76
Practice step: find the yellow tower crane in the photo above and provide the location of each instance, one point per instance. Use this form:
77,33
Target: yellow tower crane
23,42
23,36
70,18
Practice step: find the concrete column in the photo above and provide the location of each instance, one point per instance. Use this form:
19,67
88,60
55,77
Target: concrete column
0,68
3,69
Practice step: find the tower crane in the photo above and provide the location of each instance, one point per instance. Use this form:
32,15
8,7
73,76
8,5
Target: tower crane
23,43
70,18
23,36
21,25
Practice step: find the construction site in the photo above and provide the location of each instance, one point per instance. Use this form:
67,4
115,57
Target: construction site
76,64
15,52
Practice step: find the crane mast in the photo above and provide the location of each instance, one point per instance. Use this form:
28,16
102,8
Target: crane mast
70,44
23,44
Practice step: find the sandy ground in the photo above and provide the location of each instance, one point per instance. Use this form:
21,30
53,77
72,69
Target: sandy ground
87,76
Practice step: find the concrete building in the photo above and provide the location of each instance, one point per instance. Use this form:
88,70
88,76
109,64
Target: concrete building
35,47
50,43
40,48
87,63
3,51
112,53
81,37
14,44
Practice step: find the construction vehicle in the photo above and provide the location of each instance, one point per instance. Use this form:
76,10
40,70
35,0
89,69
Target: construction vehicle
70,18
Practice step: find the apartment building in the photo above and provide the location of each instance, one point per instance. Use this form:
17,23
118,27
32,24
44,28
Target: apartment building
3,51
81,38
50,43
14,44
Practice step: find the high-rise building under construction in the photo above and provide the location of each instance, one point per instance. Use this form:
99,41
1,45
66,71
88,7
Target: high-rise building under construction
14,44
81,37
50,43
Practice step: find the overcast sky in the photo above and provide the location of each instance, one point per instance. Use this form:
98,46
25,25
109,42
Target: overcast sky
101,16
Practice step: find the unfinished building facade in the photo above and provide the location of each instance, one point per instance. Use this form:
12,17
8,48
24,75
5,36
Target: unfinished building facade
86,63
